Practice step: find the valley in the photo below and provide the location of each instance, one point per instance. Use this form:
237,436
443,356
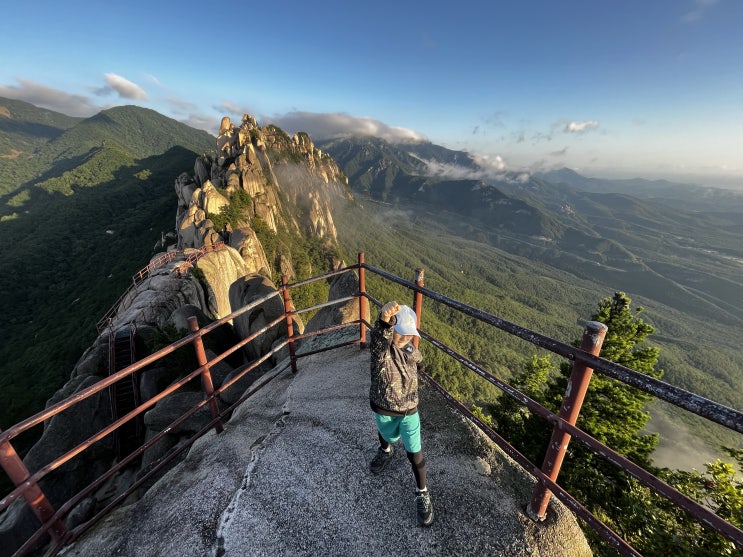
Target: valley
554,291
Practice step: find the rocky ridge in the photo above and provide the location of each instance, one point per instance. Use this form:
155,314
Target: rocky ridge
280,184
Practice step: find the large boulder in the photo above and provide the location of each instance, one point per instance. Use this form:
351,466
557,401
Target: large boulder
246,291
342,286
245,241
173,407
210,199
154,300
220,269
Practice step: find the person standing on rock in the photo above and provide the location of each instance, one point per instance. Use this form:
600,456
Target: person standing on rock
393,396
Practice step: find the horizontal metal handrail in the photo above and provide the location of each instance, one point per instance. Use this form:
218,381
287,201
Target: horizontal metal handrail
62,405
713,411
643,476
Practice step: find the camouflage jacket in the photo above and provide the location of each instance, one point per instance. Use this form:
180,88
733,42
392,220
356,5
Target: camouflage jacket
394,373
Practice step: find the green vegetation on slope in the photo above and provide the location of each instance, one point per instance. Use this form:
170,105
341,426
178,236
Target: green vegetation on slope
83,203
139,131
65,262
24,132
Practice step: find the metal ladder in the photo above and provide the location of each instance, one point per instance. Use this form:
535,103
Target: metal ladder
125,395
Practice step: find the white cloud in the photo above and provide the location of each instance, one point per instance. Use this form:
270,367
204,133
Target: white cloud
49,98
580,127
489,163
125,88
180,106
332,125
154,80
489,167
233,109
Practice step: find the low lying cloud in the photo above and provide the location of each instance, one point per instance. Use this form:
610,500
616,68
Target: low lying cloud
188,113
490,163
233,109
180,106
338,124
203,122
50,98
489,168
123,87
580,127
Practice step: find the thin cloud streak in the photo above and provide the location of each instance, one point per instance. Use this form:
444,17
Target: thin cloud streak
699,12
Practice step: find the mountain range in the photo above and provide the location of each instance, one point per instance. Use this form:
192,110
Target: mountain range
677,243
676,248
86,202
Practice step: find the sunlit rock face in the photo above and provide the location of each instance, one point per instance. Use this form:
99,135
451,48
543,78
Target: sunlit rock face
281,182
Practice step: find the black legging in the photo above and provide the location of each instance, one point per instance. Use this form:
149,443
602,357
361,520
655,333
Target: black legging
416,460
419,468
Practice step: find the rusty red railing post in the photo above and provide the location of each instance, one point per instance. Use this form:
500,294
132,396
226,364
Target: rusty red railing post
289,321
206,376
363,302
580,377
40,505
418,302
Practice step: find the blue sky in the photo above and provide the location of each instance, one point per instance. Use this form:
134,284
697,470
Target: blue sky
650,88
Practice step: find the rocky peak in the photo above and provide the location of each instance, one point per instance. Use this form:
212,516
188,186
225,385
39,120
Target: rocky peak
280,182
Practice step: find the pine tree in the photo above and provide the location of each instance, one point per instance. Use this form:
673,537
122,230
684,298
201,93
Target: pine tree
612,412
514,421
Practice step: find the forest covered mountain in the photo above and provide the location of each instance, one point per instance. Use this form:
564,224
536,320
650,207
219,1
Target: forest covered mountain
685,257
537,250
82,204
676,249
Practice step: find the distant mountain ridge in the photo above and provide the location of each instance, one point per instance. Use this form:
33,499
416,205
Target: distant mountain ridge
38,144
139,131
595,228
685,196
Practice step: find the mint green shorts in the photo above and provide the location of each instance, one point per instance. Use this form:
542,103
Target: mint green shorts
407,428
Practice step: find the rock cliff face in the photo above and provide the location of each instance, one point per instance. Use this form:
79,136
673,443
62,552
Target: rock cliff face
260,181
282,182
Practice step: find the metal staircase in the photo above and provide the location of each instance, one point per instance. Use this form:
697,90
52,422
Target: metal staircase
125,395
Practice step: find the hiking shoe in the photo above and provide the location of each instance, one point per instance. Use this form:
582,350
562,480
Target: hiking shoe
380,460
424,508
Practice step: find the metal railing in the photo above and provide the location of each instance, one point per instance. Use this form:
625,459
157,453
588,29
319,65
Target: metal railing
584,359
585,362
189,260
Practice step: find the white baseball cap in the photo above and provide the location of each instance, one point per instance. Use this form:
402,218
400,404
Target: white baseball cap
406,322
